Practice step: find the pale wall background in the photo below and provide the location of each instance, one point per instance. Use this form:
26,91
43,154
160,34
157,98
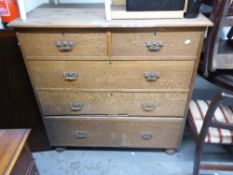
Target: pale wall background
30,4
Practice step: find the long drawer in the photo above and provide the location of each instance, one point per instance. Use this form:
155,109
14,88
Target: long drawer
63,44
112,74
114,131
154,42
138,103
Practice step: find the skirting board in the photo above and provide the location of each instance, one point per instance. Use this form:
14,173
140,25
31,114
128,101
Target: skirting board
119,12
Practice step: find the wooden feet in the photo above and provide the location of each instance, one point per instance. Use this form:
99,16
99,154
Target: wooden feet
170,151
60,149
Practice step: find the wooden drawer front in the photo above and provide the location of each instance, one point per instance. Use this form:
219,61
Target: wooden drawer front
112,75
81,102
156,43
58,44
114,132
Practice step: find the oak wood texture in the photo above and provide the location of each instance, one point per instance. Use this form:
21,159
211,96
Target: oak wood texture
93,16
111,58
57,103
109,43
44,44
114,131
15,156
176,42
112,74
111,81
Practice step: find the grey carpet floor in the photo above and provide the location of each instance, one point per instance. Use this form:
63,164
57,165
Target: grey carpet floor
129,162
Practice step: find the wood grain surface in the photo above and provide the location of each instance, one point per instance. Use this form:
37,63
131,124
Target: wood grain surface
112,74
114,131
176,42
164,104
44,44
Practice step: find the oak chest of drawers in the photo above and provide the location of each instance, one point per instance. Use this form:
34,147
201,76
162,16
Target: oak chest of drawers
124,83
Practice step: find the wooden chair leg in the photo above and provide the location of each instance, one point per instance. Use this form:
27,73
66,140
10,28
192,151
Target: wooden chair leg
197,158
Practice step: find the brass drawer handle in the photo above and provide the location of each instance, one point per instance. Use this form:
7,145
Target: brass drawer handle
70,76
65,46
152,76
154,46
76,106
147,135
149,107
80,134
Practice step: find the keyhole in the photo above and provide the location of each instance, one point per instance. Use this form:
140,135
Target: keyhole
110,63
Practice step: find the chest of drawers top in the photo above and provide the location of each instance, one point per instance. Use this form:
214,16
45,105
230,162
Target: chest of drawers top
93,16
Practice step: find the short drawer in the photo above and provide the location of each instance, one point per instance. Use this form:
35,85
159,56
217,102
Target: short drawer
112,74
63,44
138,103
114,132
153,42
